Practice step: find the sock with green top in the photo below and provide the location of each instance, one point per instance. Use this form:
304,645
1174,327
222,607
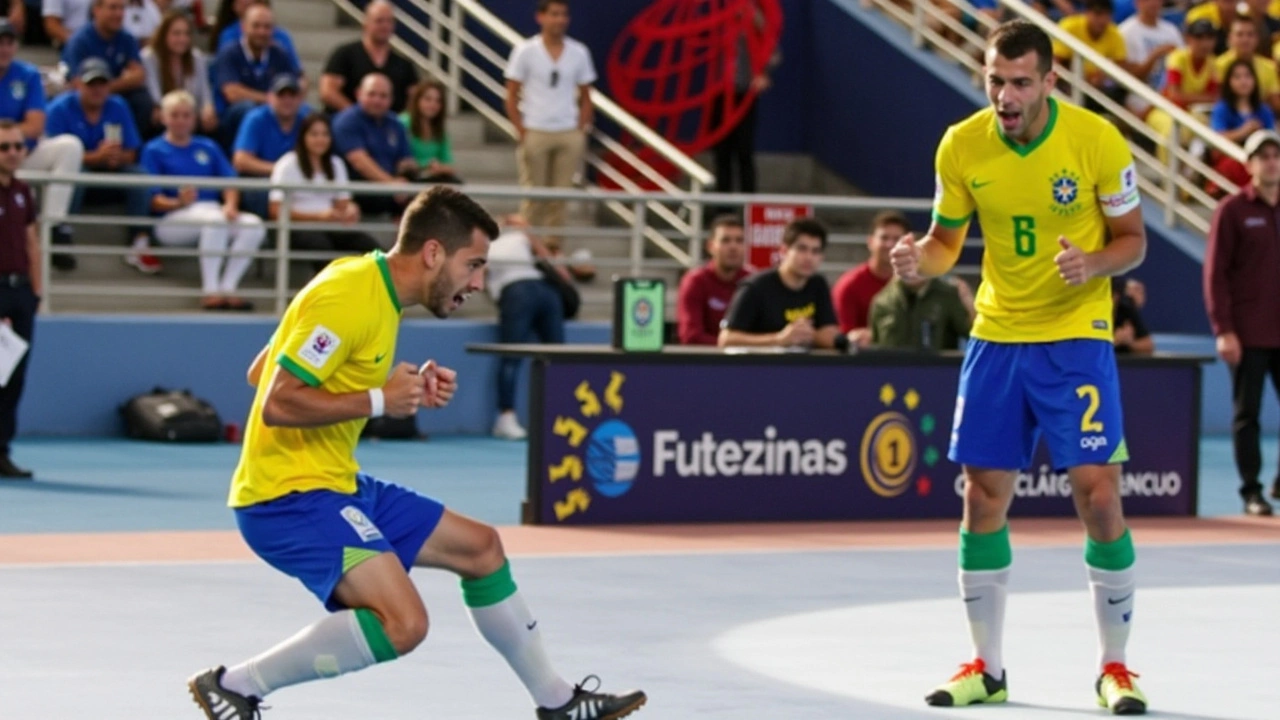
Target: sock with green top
984,580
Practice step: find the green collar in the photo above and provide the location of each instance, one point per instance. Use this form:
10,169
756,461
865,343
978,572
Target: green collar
1025,150
381,259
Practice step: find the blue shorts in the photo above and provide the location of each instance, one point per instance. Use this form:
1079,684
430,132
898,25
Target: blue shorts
317,536
1011,393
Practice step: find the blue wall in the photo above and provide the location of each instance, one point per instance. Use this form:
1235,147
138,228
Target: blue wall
83,368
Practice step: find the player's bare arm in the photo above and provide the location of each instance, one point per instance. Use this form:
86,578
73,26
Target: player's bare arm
255,367
290,402
931,256
1125,251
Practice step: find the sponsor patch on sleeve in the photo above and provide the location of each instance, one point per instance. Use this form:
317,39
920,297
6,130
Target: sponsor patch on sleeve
319,347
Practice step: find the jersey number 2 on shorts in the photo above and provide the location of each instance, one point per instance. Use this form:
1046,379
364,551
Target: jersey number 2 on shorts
1087,423
1024,235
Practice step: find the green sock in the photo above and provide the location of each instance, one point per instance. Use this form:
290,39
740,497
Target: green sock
1115,555
985,551
984,579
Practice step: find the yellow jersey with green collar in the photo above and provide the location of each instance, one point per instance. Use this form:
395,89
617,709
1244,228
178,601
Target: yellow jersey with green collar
1078,172
338,335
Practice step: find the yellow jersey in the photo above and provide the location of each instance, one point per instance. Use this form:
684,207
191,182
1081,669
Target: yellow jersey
1065,183
1110,46
1180,70
339,335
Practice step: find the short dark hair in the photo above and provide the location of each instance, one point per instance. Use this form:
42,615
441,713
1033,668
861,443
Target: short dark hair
1016,38
7,124
1105,6
445,215
727,220
804,226
1240,19
545,5
890,217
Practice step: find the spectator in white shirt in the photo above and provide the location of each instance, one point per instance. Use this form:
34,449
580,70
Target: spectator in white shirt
62,18
549,78
313,161
172,62
1148,40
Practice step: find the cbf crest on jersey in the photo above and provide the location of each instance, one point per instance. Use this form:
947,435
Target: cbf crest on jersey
18,90
202,157
1065,186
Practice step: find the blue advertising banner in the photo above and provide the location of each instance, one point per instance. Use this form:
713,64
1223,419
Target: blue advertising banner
635,442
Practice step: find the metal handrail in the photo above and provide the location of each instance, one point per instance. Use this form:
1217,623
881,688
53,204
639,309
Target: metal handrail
632,204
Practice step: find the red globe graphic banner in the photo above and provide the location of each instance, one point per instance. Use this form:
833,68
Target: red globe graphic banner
673,65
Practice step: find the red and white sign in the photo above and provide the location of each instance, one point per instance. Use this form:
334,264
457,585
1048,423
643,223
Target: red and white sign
765,224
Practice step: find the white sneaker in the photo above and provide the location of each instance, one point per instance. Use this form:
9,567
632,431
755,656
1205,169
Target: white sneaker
507,427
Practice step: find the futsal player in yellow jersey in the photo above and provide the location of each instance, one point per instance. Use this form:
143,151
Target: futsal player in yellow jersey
303,505
1054,189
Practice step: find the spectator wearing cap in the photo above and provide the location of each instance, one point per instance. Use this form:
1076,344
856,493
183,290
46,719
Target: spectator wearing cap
245,71
374,143
267,133
1242,295
105,38
1149,40
19,280
1191,76
172,62
1219,14
63,18
22,102
372,53
207,218
106,129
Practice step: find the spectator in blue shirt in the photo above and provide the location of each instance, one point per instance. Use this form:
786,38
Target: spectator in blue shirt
105,127
196,217
375,145
106,38
267,133
22,101
243,73
227,29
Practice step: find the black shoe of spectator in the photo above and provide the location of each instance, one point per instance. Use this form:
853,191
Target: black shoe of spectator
1275,489
1256,506
11,471
62,261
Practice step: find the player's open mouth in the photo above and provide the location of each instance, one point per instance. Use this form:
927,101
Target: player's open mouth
459,299
1008,118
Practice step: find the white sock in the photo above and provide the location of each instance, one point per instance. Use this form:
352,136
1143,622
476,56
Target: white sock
984,593
1113,607
141,243
331,647
512,630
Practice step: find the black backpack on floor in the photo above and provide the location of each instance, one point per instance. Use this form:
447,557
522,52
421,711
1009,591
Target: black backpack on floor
171,416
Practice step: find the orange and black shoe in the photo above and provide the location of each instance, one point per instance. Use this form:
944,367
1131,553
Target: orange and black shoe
972,685
1117,693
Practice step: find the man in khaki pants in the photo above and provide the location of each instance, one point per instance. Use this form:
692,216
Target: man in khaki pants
549,79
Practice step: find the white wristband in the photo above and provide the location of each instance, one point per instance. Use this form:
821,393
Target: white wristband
377,402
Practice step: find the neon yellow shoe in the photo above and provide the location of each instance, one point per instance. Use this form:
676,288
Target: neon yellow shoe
970,686
1117,693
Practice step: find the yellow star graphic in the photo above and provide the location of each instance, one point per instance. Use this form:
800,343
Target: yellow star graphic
887,394
912,399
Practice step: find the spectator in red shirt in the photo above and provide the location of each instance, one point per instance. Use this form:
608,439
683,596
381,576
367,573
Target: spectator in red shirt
705,293
855,290
1242,294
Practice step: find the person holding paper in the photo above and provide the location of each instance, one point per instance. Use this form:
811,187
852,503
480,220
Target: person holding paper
19,287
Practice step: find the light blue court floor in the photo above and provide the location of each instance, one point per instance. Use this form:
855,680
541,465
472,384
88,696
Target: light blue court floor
828,635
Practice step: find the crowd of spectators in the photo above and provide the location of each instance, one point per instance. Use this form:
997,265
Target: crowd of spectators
158,87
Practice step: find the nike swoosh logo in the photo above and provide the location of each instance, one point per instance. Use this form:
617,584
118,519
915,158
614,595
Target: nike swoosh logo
978,186
1117,601
531,625
973,599
378,359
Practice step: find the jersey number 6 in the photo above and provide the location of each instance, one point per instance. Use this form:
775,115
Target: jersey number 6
1024,235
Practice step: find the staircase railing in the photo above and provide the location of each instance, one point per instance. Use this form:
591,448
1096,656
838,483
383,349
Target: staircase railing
1172,176
472,68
